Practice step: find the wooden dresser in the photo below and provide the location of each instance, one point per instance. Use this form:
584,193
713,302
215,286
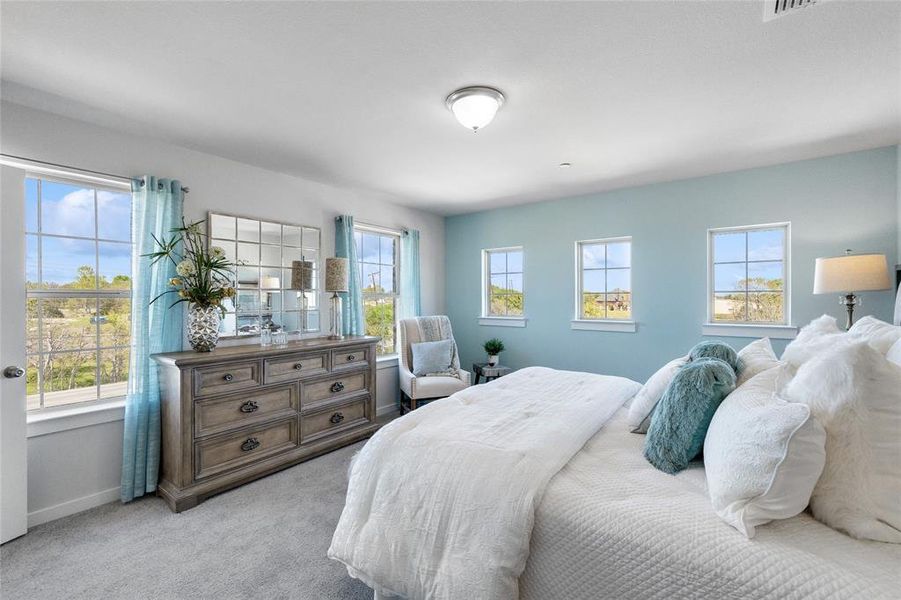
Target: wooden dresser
241,412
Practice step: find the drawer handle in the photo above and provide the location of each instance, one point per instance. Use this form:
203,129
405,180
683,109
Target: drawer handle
250,444
336,418
351,357
249,406
337,387
228,377
298,366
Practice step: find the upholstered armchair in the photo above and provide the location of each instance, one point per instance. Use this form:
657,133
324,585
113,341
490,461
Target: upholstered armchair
416,389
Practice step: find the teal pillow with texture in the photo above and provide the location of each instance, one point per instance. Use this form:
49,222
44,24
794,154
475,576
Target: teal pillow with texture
724,352
681,418
433,358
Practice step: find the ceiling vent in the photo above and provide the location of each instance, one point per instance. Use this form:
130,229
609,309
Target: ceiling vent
773,9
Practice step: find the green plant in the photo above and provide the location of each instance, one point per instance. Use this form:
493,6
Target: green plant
493,346
205,275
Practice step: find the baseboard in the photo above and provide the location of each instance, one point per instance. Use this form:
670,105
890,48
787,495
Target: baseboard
385,410
71,507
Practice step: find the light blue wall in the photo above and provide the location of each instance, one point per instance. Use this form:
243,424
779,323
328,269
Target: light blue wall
833,203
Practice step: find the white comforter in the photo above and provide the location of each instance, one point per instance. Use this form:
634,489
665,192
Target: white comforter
441,502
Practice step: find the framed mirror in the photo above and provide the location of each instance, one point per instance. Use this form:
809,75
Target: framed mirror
277,275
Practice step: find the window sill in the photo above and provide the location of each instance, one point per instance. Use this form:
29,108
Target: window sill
749,330
604,325
65,419
386,362
503,321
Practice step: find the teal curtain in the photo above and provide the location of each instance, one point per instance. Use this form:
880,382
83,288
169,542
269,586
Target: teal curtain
156,210
409,274
346,247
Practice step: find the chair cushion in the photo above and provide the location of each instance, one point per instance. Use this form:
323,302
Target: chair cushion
431,358
437,387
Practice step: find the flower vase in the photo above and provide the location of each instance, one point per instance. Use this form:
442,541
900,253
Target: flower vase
203,327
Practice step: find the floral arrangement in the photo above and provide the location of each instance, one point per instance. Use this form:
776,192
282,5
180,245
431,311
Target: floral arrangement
205,276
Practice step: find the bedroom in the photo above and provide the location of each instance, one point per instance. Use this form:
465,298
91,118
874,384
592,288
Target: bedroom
646,177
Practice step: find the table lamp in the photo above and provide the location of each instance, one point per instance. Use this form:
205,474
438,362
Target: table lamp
336,280
302,280
849,274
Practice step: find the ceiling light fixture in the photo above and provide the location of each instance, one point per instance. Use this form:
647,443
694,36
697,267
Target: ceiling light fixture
474,107
565,165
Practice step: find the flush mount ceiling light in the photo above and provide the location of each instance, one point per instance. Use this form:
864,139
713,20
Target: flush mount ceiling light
565,165
475,106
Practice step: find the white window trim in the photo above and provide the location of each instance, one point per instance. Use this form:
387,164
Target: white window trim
66,418
583,324
746,328
384,360
497,320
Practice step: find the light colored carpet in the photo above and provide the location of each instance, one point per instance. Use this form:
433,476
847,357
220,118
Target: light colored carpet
264,540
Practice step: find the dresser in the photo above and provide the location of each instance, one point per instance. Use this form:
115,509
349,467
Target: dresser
241,412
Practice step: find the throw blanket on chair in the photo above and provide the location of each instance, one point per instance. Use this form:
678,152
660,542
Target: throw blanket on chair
435,329
441,502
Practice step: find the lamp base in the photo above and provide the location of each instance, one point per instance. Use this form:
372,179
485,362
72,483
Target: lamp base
336,327
850,301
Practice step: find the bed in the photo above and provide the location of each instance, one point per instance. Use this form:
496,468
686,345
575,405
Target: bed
586,517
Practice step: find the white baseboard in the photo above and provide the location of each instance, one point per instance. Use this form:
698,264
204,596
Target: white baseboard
71,507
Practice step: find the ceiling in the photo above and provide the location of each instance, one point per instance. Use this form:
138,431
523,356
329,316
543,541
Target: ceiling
353,93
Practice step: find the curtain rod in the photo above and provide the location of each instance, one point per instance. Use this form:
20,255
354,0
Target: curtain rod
69,167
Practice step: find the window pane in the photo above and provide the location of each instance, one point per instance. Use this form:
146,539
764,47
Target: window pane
358,240
115,320
387,250
113,215
32,333
69,323
32,383
67,209
270,233
497,262
618,280
619,255
68,263
593,306
70,377
379,317
766,307
514,261
31,205
271,255
593,281
729,277
498,284
514,282
115,265
514,304
248,230
729,307
766,244
765,276
729,247
593,256
371,275
222,226
370,248
248,254
619,305
291,236
387,279
497,306
31,261
114,372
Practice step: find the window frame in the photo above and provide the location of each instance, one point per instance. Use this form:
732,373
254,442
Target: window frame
579,283
366,228
97,294
711,322
486,286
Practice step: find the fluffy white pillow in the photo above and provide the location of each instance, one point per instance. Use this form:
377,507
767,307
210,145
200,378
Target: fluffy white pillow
649,395
879,334
856,394
762,455
756,357
819,335
894,353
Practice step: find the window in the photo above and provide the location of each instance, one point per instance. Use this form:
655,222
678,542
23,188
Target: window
502,294
748,274
78,292
604,279
377,256
271,258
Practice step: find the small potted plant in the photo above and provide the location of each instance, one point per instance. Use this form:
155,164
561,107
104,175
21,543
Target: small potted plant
493,347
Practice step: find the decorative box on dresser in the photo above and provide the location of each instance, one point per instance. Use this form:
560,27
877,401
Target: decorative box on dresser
241,412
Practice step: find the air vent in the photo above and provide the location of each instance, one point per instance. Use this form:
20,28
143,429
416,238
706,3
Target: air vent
773,9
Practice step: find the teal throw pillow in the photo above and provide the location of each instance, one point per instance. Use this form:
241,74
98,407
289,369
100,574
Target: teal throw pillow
719,350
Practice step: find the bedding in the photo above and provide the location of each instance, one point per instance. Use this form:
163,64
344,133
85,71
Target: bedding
649,395
755,358
476,464
610,526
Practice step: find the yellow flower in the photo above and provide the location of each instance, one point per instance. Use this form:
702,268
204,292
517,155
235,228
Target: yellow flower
183,293
175,281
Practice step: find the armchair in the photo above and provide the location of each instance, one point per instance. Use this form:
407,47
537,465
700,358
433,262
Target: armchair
415,389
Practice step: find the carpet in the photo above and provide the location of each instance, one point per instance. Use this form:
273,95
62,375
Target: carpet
264,540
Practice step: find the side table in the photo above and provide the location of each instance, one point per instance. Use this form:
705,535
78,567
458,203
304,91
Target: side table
489,373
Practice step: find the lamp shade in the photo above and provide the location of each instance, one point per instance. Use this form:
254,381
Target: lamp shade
336,279
270,283
851,273
301,275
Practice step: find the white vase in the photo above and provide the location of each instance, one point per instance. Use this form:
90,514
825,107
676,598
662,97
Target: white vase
493,360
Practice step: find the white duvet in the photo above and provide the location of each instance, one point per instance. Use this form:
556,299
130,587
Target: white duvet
441,502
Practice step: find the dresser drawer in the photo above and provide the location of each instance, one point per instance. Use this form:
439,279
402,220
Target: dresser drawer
221,413
345,416
226,378
352,358
333,387
230,451
295,366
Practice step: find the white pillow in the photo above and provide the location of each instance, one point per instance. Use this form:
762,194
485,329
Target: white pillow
756,357
649,395
856,394
819,335
894,353
762,455
879,334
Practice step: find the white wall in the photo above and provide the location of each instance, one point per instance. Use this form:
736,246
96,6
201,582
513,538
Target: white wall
76,469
